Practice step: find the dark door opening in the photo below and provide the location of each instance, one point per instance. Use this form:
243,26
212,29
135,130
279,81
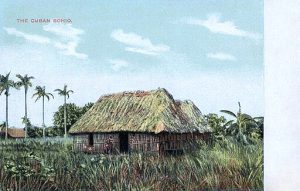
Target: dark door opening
91,140
123,142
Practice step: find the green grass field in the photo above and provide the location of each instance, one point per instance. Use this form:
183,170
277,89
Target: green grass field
39,165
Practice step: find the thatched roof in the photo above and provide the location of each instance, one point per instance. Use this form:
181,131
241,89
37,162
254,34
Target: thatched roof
13,132
141,111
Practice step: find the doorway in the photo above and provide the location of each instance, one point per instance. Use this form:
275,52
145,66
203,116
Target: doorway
91,140
123,137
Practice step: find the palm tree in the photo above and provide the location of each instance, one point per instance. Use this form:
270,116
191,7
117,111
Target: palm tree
26,83
41,93
5,85
243,125
66,93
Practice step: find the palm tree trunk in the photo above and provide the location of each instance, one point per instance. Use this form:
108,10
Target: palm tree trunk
43,117
6,122
26,119
65,116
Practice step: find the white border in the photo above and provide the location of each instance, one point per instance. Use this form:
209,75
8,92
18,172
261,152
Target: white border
282,95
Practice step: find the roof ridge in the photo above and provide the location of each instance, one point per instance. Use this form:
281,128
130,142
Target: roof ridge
136,92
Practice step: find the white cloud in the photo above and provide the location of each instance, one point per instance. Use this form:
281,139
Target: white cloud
141,51
69,49
117,64
64,30
29,37
221,56
138,44
67,42
215,25
69,37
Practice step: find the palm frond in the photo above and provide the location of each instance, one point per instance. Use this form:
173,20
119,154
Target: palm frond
35,94
70,91
259,118
29,84
50,94
228,112
58,90
252,124
38,88
38,97
20,77
15,85
7,75
47,96
64,91
30,78
19,83
228,123
246,116
6,84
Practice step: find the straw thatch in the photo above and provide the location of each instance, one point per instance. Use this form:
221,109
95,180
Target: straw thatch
12,132
141,111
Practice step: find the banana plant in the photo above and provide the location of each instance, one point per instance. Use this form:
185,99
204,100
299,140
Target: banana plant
243,126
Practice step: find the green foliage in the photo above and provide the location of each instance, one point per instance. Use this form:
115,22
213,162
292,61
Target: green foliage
26,121
243,127
260,126
64,91
40,92
216,123
226,165
24,81
27,165
86,107
74,112
2,125
37,132
6,83
34,132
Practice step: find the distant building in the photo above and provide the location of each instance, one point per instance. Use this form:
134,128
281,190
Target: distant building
12,133
141,121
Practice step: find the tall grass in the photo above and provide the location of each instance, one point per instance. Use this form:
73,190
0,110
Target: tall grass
225,165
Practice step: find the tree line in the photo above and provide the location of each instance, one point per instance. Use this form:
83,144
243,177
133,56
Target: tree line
242,127
25,81
73,114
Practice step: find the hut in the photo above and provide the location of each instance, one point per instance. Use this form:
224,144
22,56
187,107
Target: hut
140,121
12,133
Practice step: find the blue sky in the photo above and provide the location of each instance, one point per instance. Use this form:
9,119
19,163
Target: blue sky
210,52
